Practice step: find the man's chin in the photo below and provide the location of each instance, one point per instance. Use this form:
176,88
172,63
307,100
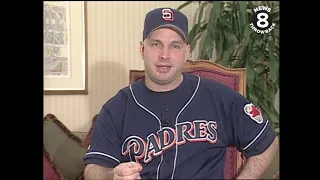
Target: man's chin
163,81
164,78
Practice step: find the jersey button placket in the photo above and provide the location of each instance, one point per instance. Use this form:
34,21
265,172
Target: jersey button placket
165,111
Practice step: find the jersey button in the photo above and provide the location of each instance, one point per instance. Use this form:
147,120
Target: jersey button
166,122
167,109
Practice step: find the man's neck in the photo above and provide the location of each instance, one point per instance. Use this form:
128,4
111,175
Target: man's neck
163,87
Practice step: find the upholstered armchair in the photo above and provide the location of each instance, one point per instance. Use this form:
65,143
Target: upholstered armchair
234,78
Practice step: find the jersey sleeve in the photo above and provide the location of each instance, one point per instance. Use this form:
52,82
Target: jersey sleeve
105,147
252,131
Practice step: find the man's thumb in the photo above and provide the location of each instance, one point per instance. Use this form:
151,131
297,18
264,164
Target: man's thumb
133,164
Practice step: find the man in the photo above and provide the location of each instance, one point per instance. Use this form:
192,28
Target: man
174,125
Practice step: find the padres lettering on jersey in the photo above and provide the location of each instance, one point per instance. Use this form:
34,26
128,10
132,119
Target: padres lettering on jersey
156,144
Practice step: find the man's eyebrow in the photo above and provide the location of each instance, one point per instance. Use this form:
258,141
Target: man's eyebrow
179,42
152,39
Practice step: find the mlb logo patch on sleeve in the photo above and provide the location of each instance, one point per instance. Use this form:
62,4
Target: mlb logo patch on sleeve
254,113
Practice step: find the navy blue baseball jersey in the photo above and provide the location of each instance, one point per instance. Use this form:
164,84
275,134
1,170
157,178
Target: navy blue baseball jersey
183,133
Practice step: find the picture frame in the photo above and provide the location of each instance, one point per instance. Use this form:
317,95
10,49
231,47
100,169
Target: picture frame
65,48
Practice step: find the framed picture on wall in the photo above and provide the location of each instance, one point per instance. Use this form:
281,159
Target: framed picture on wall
65,48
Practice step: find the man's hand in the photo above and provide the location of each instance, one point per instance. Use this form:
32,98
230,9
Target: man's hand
127,171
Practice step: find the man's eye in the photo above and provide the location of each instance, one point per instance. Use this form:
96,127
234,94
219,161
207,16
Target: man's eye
176,46
155,44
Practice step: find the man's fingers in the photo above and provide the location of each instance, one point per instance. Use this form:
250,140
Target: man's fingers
130,171
139,166
126,169
130,177
132,164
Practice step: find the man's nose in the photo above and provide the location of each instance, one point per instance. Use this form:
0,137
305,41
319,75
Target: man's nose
165,53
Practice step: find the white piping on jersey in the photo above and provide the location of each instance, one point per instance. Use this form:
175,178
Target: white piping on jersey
153,116
257,136
191,98
103,154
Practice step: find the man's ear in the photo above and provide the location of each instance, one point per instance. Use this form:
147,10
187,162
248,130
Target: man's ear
141,49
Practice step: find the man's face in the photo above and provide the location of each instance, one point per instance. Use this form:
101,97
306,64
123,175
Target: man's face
164,53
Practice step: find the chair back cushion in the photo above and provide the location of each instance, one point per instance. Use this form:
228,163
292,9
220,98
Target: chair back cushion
63,147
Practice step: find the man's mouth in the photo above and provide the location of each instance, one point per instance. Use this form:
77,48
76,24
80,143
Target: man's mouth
163,68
